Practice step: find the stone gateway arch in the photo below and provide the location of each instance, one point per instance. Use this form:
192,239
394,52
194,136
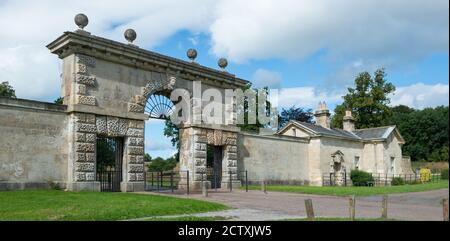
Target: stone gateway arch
105,88
106,85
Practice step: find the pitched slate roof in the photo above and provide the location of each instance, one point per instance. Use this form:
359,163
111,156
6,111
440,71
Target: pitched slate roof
319,130
375,133
360,134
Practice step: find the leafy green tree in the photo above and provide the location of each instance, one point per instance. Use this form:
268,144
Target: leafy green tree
254,127
159,164
147,157
425,132
172,131
295,113
368,101
6,90
59,101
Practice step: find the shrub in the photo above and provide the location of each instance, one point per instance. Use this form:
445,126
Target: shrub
425,174
444,174
53,185
361,178
397,181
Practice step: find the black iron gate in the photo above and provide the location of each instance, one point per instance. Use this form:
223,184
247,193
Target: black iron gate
109,163
214,166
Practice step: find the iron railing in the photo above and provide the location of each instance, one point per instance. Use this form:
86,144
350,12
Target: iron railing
381,179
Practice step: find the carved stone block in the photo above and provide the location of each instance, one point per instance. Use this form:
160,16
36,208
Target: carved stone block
81,89
133,168
91,137
90,157
86,60
132,107
135,150
84,167
81,127
80,137
80,157
101,125
85,79
133,132
80,176
86,100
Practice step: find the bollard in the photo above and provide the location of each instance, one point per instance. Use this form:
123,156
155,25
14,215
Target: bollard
384,208
246,181
263,186
204,189
352,203
231,182
187,182
445,209
309,210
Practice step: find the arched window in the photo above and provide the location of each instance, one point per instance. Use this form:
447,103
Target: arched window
159,107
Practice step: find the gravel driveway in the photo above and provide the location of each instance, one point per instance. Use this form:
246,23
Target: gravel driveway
256,205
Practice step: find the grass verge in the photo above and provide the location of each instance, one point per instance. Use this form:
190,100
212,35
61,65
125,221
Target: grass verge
358,191
60,205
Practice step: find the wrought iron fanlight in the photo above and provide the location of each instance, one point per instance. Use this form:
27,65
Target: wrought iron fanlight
159,107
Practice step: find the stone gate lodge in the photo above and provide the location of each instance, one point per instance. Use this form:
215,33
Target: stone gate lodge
107,85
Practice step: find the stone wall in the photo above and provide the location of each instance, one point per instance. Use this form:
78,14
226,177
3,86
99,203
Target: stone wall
85,128
33,144
193,152
274,159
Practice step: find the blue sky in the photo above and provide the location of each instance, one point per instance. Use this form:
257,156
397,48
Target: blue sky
311,50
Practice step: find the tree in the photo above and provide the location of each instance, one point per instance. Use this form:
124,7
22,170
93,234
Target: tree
147,157
425,132
159,164
295,113
7,90
368,101
248,111
59,101
172,131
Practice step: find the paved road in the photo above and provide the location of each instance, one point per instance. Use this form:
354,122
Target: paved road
256,205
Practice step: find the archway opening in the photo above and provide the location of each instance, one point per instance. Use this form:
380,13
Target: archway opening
161,144
214,157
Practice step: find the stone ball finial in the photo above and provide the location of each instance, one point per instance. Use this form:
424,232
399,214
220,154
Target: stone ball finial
130,35
223,63
191,54
81,20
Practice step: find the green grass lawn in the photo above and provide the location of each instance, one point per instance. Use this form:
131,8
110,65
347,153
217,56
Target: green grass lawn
341,219
60,205
358,191
187,218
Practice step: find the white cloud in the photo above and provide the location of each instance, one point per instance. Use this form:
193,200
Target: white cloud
307,97
421,95
28,26
381,29
266,78
376,31
155,145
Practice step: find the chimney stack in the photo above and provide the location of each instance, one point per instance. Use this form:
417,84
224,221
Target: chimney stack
322,115
348,121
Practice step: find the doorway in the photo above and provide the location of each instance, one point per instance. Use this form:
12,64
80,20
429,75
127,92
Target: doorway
214,165
109,163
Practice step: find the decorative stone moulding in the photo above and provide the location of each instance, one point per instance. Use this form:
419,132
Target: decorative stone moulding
137,103
88,126
84,79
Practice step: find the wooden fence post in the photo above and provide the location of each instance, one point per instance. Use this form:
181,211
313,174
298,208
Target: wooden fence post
384,209
309,210
445,209
352,203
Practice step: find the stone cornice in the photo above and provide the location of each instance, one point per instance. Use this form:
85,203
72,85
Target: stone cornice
72,42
